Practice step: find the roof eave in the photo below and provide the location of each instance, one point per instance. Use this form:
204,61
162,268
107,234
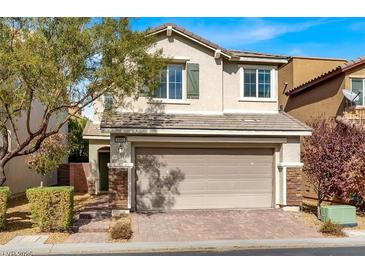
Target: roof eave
263,60
205,132
223,51
314,83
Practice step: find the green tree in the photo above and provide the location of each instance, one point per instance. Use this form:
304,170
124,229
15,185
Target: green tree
79,147
63,64
50,155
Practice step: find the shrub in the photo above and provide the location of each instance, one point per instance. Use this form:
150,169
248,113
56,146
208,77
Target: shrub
4,196
334,160
121,228
51,207
331,228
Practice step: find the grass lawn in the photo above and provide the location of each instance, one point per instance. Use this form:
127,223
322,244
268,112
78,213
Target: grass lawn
19,220
310,218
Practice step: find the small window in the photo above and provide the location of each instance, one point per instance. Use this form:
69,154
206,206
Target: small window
108,102
257,83
357,87
170,83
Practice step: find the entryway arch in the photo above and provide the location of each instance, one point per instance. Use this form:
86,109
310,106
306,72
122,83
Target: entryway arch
103,160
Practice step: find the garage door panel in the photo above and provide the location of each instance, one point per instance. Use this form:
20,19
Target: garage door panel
155,202
169,178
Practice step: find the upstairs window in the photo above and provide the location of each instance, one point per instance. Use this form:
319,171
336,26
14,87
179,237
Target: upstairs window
257,83
170,83
357,87
108,102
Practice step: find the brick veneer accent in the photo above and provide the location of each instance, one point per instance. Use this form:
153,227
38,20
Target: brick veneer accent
294,196
118,188
76,174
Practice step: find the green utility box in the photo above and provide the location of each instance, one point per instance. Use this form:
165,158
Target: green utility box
340,214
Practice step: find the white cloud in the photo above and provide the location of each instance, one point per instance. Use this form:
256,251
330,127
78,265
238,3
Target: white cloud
296,52
252,30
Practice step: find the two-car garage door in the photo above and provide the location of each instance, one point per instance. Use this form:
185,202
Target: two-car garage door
203,178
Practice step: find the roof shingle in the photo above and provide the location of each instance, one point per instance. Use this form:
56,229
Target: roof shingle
92,129
246,122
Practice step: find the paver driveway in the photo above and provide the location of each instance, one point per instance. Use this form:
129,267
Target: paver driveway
219,225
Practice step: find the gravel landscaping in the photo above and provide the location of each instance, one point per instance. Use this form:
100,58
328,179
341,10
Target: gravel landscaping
309,216
19,222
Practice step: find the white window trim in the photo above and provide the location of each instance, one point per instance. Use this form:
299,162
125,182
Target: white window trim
183,96
363,89
273,84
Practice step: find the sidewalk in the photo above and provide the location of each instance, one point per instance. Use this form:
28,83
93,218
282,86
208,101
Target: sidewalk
110,248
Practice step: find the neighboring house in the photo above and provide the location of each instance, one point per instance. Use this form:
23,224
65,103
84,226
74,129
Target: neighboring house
313,88
19,176
213,136
321,93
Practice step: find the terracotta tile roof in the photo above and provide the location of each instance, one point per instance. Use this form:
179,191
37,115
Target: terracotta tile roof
326,76
245,122
231,53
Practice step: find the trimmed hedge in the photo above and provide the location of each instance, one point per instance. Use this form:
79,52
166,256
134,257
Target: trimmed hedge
4,197
51,207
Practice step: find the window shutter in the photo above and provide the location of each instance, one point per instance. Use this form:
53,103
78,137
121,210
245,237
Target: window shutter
193,81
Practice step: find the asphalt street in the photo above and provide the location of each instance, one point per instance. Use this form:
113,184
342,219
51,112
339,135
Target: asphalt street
327,251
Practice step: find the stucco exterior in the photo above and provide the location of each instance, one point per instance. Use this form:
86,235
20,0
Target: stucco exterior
323,100
220,87
94,147
18,175
298,71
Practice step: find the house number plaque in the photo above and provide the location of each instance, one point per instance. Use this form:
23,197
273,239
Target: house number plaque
120,139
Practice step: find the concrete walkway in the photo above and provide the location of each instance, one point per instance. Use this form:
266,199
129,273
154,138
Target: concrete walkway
147,247
92,223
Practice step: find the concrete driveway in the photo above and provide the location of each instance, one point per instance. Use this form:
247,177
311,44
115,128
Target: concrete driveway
200,225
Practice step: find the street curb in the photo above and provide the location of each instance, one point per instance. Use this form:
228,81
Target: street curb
150,247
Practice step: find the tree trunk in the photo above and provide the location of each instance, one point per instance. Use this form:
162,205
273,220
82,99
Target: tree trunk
2,175
319,209
319,202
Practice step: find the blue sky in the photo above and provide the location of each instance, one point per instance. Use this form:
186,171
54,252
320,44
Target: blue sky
322,37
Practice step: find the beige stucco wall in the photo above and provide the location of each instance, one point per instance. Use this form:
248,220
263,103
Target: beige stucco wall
219,83
307,68
232,92
94,146
299,70
325,100
19,176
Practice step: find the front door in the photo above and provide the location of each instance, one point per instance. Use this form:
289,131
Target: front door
104,158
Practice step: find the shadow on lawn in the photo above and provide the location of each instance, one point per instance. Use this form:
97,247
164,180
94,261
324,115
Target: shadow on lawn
18,215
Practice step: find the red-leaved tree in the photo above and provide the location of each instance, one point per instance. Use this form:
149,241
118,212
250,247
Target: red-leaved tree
334,160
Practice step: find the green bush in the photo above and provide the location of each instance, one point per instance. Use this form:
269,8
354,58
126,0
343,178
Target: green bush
121,228
4,196
51,207
332,229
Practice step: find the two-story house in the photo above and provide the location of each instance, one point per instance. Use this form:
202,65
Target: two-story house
212,137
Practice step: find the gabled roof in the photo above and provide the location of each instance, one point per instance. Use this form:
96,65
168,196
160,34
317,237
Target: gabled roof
230,54
326,76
